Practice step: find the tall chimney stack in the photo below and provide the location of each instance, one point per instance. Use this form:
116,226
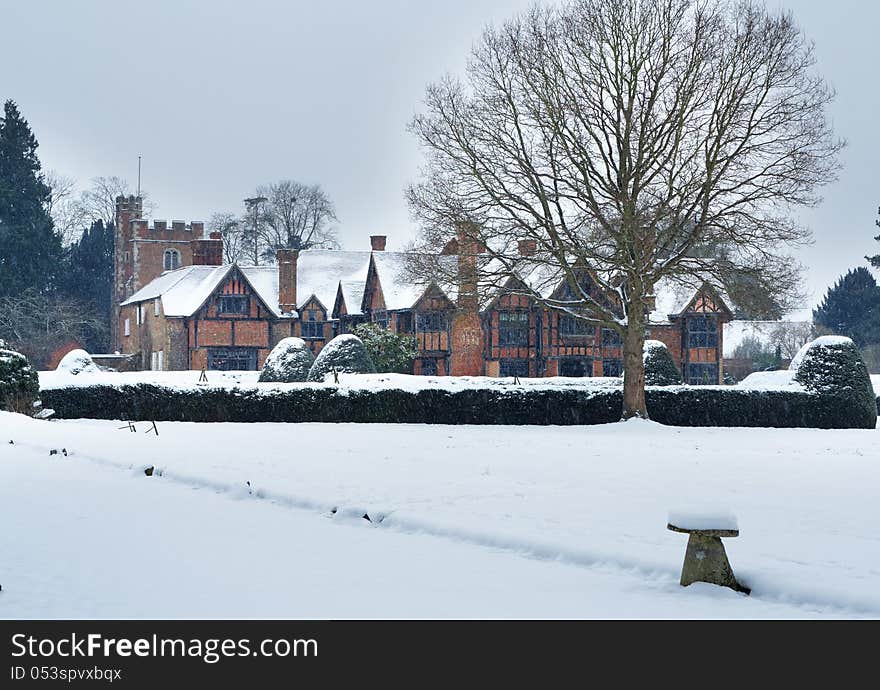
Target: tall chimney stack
377,242
287,259
466,357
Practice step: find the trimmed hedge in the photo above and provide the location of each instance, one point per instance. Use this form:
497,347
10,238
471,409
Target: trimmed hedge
695,406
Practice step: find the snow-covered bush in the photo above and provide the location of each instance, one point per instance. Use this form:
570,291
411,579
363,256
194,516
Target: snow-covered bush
77,362
832,366
289,362
660,369
391,352
345,354
19,384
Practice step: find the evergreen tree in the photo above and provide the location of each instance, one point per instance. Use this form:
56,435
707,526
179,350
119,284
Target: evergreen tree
852,308
29,247
390,352
87,278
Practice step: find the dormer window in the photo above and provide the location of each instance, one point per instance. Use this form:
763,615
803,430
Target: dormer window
172,259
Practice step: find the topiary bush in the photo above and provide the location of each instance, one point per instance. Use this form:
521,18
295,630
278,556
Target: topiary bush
391,352
660,369
77,362
19,384
832,367
345,353
289,362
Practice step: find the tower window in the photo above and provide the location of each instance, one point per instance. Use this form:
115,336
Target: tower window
172,259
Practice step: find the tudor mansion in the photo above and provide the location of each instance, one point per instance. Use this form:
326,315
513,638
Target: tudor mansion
177,305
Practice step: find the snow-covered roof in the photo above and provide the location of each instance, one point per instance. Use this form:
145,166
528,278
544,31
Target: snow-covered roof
353,294
398,288
670,299
738,330
318,272
186,289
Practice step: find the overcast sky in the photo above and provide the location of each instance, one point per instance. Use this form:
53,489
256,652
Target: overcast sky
221,96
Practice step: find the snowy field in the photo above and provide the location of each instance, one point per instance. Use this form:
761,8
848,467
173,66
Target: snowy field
465,521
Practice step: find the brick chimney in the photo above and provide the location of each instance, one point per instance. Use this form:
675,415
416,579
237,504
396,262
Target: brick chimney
287,259
528,247
466,356
377,242
198,228
208,252
468,248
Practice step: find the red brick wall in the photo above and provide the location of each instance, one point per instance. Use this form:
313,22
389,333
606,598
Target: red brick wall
466,357
214,333
252,334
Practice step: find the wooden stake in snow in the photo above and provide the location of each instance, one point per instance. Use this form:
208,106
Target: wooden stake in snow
705,559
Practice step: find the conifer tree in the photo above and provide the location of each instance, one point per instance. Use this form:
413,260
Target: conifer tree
852,308
29,247
87,277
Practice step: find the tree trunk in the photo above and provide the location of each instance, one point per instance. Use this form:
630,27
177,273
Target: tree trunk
634,369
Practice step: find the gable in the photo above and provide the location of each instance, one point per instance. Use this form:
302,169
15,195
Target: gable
434,299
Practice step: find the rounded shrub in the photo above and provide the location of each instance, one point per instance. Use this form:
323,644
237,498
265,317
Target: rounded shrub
19,384
77,362
345,354
289,362
660,369
832,366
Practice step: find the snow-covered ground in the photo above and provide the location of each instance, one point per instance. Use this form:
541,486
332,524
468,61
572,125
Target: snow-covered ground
466,521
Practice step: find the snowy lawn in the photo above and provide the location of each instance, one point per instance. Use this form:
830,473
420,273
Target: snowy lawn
466,521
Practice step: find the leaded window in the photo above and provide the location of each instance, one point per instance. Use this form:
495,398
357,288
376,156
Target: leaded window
431,322
513,367
702,373
702,331
513,328
311,328
612,367
572,326
576,366
233,304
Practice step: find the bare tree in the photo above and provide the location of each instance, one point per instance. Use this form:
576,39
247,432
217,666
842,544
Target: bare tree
36,324
230,228
296,216
64,208
632,142
98,202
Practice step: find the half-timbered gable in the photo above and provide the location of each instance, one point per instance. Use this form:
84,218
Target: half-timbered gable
690,322
431,326
576,347
314,324
512,330
231,329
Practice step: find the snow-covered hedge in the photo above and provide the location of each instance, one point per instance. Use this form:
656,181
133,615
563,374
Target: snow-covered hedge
344,354
831,366
674,405
19,384
77,362
289,362
660,369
